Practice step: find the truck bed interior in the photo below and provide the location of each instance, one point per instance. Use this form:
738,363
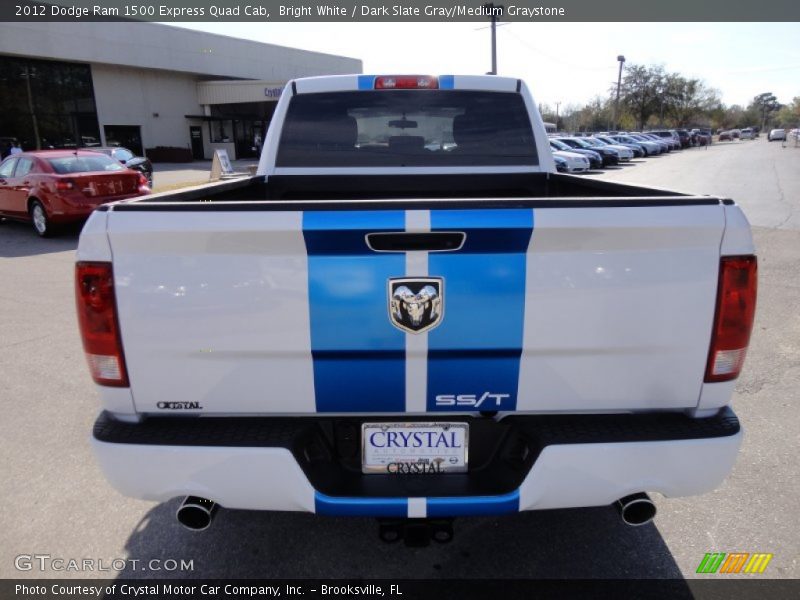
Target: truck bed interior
296,192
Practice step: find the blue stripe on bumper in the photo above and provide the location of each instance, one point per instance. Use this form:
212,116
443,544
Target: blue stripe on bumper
360,507
473,505
457,506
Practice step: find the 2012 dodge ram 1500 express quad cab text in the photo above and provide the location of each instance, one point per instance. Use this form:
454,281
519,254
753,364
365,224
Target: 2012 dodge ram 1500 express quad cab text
407,313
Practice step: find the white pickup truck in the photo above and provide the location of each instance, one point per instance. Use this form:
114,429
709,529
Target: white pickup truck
408,314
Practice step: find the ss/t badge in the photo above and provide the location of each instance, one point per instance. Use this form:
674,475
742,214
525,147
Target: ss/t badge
416,304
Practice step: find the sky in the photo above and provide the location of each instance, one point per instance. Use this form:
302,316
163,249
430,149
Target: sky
569,63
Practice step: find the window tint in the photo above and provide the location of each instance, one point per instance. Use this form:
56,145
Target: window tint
47,104
7,168
24,167
398,128
82,164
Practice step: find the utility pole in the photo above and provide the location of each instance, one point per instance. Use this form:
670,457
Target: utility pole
621,60
492,10
557,105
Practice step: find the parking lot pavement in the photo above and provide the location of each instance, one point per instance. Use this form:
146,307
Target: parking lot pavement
56,502
763,177
168,176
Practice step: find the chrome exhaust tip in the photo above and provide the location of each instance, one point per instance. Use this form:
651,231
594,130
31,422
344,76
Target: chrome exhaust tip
636,509
196,513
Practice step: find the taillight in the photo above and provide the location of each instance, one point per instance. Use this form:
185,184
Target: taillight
143,180
65,185
406,82
733,322
97,318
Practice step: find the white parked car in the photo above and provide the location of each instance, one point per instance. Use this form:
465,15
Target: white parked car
576,163
777,134
747,134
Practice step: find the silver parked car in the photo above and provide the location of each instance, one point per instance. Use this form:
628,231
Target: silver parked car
777,134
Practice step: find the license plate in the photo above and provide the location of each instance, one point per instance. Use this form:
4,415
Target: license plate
414,448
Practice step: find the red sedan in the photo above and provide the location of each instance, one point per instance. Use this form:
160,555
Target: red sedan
52,187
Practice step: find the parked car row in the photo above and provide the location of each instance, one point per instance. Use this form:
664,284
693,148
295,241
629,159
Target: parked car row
580,153
748,133
52,187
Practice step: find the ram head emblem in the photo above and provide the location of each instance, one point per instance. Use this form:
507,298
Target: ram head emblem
416,304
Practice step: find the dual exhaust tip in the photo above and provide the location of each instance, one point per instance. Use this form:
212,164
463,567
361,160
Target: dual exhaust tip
636,509
196,513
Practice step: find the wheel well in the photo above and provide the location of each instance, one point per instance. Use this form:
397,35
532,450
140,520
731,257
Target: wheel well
31,200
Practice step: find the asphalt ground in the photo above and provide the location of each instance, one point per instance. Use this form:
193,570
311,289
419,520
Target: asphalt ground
169,176
54,501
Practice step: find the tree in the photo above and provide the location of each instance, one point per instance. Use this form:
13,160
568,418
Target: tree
789,115
687,100
641,87
549,116
765,104
594,116
735,116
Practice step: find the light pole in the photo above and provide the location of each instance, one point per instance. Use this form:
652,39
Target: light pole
492,10
557,105
621,60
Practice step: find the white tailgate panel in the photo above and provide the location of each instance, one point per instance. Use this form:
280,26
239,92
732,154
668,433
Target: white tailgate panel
214,309
619,307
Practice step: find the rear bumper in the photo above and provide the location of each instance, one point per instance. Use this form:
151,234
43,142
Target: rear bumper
522,463
70,210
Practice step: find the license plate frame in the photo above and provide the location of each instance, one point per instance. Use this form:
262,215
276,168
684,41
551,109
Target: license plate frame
430,460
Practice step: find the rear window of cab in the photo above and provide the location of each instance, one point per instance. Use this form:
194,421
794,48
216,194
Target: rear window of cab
401,128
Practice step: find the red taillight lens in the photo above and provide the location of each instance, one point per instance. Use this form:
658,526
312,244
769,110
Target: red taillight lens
65,185
143,180
406,82
97,318
736,309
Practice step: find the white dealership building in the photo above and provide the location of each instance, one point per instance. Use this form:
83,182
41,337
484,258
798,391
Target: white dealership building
144,85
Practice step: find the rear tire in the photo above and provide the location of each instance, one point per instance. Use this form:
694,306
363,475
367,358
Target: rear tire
40,220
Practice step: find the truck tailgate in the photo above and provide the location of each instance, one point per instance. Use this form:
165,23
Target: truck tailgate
585,308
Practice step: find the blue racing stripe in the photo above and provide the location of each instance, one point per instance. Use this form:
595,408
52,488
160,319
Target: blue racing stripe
477,348
366,82
360,507
331,232
358,355
473,505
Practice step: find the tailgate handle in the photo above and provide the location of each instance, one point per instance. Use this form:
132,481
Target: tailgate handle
431,241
